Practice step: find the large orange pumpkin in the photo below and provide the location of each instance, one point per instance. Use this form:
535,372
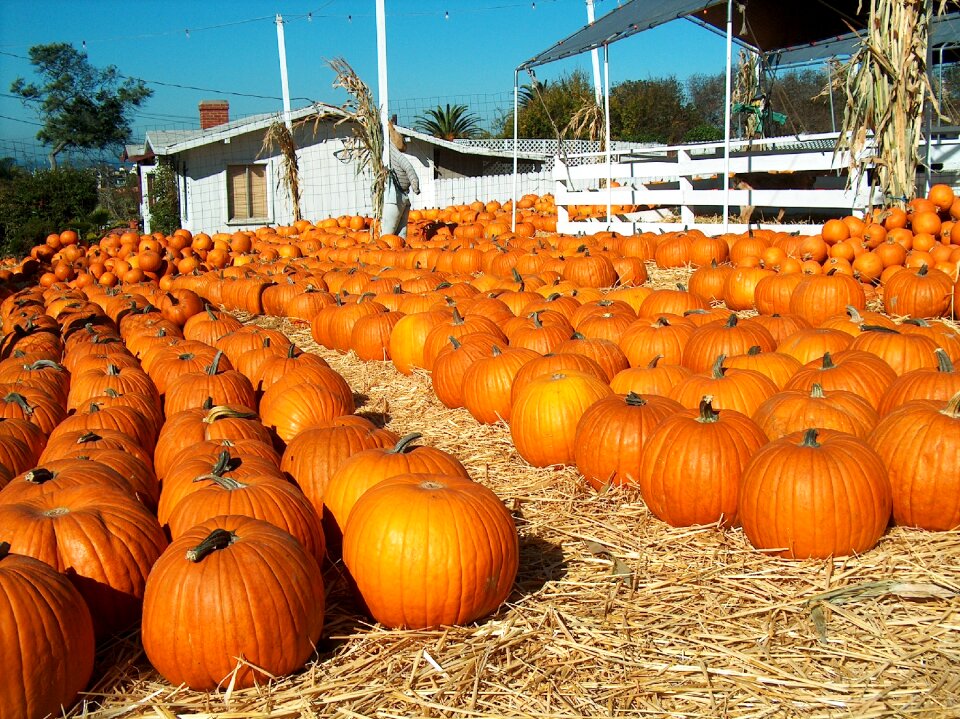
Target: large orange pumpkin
428,550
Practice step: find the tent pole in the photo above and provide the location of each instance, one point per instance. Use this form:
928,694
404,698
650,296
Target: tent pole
382,79
728,91
606,126
594,56
516,128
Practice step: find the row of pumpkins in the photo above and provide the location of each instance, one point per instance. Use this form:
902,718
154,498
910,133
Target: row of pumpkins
156,466
147,385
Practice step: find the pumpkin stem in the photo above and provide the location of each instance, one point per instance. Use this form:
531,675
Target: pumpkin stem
227,483
816,392
216,540
943,360
922,272
496,351
111,392
88,437
661,322
718,370
536,320
19,400
43,364
4,549
854,314
208,308
707,413
754,350
654,361
578,336
878,328
457,317
455,342
223,412
732,320
405,443
113,370
634,400
827,361
215,365
39,475
952,410
810,437
94,407
290,351
186,356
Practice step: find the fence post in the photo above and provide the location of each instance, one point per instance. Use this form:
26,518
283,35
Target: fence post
687,217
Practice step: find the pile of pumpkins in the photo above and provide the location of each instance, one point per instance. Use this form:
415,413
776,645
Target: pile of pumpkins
150,441
158,464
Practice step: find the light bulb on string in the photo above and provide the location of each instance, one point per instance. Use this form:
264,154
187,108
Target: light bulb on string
533,6
350,18
309,17
187,33
446,15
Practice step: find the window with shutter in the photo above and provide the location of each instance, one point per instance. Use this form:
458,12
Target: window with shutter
247,192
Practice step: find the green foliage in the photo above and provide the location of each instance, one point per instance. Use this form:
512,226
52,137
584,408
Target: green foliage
81,107
164,200
449,122
33,205
703,133
548,107
650,111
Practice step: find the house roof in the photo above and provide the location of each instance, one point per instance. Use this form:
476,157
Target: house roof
169,142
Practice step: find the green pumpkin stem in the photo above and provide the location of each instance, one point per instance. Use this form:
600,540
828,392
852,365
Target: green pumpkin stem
718,370
634,400
732,320
827,361
405,443
215,365
217,539
113,370
455,342
227,483
754,351
457,317
816,392
19,400
810,437
90,436
943,360
291,350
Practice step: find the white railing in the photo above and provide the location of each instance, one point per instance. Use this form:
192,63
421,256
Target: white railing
690,178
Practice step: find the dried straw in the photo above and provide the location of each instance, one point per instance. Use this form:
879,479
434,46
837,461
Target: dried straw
613,613
279,135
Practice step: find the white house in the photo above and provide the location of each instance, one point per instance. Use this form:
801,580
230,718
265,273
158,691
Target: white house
228,181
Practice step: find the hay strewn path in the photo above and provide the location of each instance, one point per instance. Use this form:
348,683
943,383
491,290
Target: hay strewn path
614,614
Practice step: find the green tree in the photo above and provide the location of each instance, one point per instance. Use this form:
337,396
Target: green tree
650,111
81,107
548,107
164,201
32,205
449,122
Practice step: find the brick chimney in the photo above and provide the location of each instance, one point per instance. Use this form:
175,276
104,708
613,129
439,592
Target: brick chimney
213,113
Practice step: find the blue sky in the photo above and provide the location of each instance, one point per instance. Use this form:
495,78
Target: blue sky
458,51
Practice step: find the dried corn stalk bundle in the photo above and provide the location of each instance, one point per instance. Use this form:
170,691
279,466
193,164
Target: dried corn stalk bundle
279,135
886,86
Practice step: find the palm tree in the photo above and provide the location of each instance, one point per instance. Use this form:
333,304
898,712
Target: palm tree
449,122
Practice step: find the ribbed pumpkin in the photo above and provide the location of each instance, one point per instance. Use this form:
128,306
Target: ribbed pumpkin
775,365
408,337
272,500
922,383
58,474
104,539
543,421
645,339
902,351
46,638
655,378
287,411
821,296
742,390
550,363
920,444
813,343
862,373
691,465
488,382
924,292
311,458
452,363
790,411
210,325
611,435
231,588
192,389
815,493
727,338
605,353
429,550
362,470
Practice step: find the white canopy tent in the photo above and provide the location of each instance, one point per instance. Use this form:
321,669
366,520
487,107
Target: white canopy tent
786,32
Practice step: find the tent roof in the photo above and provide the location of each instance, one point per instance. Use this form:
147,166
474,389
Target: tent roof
765,25
944,33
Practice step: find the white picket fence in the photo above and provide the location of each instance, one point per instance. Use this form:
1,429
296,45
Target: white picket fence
690,179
